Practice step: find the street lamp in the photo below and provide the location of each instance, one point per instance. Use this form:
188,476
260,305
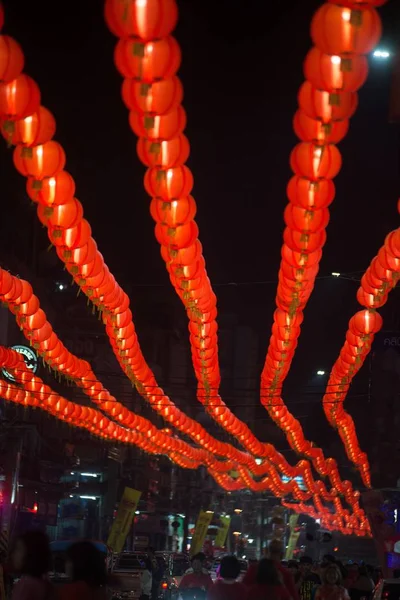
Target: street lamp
381,53
320,373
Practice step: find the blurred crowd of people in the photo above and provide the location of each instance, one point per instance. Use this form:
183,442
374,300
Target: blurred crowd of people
270,578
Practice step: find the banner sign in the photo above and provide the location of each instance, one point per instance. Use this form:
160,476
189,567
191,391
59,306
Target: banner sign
293,537
200,532
123,521
222,531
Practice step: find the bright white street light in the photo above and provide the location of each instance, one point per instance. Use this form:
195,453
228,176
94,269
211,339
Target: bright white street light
320,373
334,274
385,54
61,286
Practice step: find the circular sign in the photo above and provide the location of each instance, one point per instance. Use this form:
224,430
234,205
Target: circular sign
30,359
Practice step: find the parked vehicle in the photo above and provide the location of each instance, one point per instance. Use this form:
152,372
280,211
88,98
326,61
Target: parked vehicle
126,576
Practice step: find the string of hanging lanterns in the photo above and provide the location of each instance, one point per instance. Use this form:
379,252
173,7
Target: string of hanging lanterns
378,280
21,301
41,163
153,94
335,68
41,160
145,435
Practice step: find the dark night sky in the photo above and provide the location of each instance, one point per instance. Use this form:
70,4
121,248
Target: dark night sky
242,66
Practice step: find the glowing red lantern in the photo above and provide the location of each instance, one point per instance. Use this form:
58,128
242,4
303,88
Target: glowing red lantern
19,98
185,256
42,161
310,194
147,61
146,19
366,322
33,130
52,190
314,130
158,98
315,162
163,154
159,127
63,215
339,30
306,221
11,58
298,259
300,242
333,73
325,106
75,237
174,213
179,237
168,184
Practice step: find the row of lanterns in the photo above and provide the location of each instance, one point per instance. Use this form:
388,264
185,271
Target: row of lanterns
41,160
379,279
21,301
153,94
329,521
25,123
335,68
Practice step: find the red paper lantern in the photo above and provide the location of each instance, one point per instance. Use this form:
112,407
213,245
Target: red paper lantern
315,162
163,154
160,127
53,190
366,322
314,130
146,19
168,184
63,215
179,237
173,213
325,106
310,194
19,98
300,260
304,243
41,161
33,130
339,30
147,61
11,59
335,73
306,221
75,237
158,98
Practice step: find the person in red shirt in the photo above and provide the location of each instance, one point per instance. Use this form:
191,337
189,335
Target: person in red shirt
197,577
268,583
275,552
226,587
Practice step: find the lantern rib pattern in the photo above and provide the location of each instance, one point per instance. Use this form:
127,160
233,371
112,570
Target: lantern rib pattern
153,93
335,68
378,280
